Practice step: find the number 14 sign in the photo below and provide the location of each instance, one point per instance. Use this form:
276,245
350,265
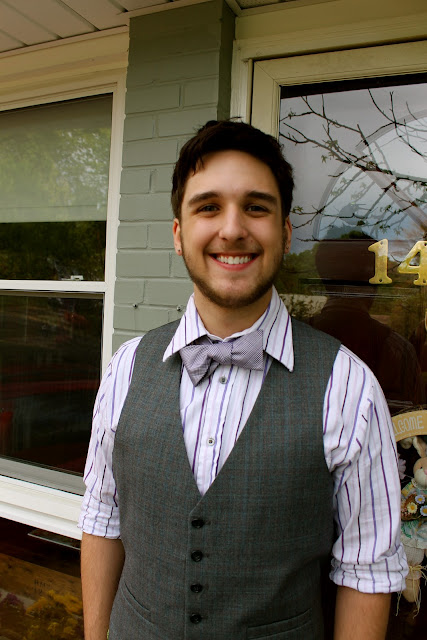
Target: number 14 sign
380,249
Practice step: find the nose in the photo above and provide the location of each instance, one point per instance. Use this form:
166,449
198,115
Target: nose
233,226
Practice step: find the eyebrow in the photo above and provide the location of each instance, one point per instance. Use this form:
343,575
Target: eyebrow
207,195
262,195
201,197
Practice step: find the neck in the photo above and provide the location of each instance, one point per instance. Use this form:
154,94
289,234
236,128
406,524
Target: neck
224,321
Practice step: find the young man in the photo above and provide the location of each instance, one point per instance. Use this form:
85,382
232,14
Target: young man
239,440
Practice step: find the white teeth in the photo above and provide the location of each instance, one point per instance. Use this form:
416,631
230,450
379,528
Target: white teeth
234,259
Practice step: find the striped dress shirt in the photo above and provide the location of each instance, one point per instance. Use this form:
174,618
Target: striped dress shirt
358,442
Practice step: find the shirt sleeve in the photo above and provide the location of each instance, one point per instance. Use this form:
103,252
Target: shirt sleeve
361,454
100,508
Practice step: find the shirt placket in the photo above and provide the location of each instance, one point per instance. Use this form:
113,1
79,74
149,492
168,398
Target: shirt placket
213,425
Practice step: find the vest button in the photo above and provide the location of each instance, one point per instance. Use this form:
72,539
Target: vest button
196,556
195,618
196,588
197,523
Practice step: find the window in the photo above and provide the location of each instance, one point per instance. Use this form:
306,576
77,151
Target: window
353,123
358,263
53,210
360,207
61,133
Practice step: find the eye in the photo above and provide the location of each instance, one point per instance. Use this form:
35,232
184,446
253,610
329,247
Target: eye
257,208
208,208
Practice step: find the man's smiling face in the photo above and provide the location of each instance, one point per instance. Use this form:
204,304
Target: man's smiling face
231,232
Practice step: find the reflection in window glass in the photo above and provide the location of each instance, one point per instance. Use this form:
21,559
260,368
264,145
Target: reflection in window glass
359,153
52,250
49,375
358,266
40,587
54,162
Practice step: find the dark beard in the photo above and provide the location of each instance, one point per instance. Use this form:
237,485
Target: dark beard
232,300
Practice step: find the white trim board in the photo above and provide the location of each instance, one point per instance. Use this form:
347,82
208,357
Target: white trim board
40,507
76,65
387,32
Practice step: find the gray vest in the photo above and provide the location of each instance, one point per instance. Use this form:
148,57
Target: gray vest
244,560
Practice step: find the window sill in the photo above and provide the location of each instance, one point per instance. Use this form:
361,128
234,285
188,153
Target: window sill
40,506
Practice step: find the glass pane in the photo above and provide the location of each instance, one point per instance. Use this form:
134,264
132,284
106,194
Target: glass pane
53,250
359,153
49,375
54,162
358,266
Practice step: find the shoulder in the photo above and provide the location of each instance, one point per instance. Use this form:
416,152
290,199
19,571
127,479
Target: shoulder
308,333
353,390
115,385
355,406
354,387
125,353
128,349
163,332
119,372
349,368
155,342
314,351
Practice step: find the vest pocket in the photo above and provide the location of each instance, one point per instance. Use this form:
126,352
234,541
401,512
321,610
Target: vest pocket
291,628
133,602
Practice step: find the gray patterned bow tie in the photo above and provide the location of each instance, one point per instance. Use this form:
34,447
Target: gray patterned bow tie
202,359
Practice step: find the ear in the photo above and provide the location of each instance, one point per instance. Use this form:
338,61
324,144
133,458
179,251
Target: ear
421,446
176,230
287,235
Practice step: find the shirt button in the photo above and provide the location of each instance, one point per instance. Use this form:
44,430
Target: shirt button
197,556
196,588
223,379
197,523
211,441
195,618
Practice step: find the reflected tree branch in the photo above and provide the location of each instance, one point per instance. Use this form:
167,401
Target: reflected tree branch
366,158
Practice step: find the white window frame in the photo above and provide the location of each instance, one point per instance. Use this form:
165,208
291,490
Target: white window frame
279,43
270,75
79,68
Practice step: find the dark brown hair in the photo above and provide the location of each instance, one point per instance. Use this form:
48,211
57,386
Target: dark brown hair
225,135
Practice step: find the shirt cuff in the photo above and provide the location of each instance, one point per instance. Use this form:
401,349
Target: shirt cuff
385,576
99,519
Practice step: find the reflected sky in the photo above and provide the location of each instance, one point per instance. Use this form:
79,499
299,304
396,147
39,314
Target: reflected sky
359,158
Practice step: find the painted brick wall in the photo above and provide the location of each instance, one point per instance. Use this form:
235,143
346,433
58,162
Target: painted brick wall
178,78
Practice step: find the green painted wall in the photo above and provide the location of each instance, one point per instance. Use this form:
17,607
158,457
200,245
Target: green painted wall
179,76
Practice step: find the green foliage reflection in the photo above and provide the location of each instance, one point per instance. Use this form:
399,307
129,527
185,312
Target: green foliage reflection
52,250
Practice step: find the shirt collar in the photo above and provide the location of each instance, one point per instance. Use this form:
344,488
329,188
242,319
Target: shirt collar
275,324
